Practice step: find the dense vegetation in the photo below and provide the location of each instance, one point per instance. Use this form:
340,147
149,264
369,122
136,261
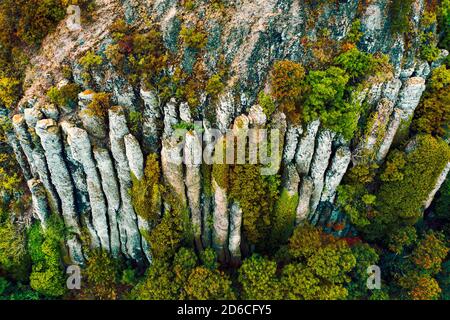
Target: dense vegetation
383,203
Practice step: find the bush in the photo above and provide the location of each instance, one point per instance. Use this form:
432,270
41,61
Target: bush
287,85
67,95
325,99
283,219
207,284
173,229
432,115
404,199
266,103
14,258
9,91
193,38
146,193
214,85
90,60
99,105
319,266
256,199
158,284
257,277
47,275
356,63
101,276
430,252
399,13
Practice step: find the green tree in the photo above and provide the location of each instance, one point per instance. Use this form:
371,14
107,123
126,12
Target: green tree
258,279
146,193
101,276
403,200
207,284
47,276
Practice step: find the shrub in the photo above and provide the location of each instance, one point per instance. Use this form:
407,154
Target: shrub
404,199
9,91
207,284
283,219
148,57
355,33
320,265
357,203
399,13
67,95
256,199
90,60
214,85
47,275
394,165
99,105
420,287
101,276
193,38
257,277
266,103
158,283
430,252
355,63
325,100
14,257
287,85
146,193
173,229
432,115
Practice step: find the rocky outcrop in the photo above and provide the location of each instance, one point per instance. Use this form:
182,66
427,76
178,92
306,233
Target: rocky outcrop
136,163
40,164
392,128
170,117
172,167
87,169
40,205
303,208
319,165
225,111
220,219
293,134
24,139
129,231
93,124
335,173
78,140
193,160
305,149
152,121
110,188
135,156
234,241
48,131
408,100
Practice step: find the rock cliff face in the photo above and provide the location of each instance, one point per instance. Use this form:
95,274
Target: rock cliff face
81,166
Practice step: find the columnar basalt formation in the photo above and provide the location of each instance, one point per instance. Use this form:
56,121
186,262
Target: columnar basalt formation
305,149
152,118
48,131
128,225
193,160
111,189
82,152
82,164
220,218
40,205
318,167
